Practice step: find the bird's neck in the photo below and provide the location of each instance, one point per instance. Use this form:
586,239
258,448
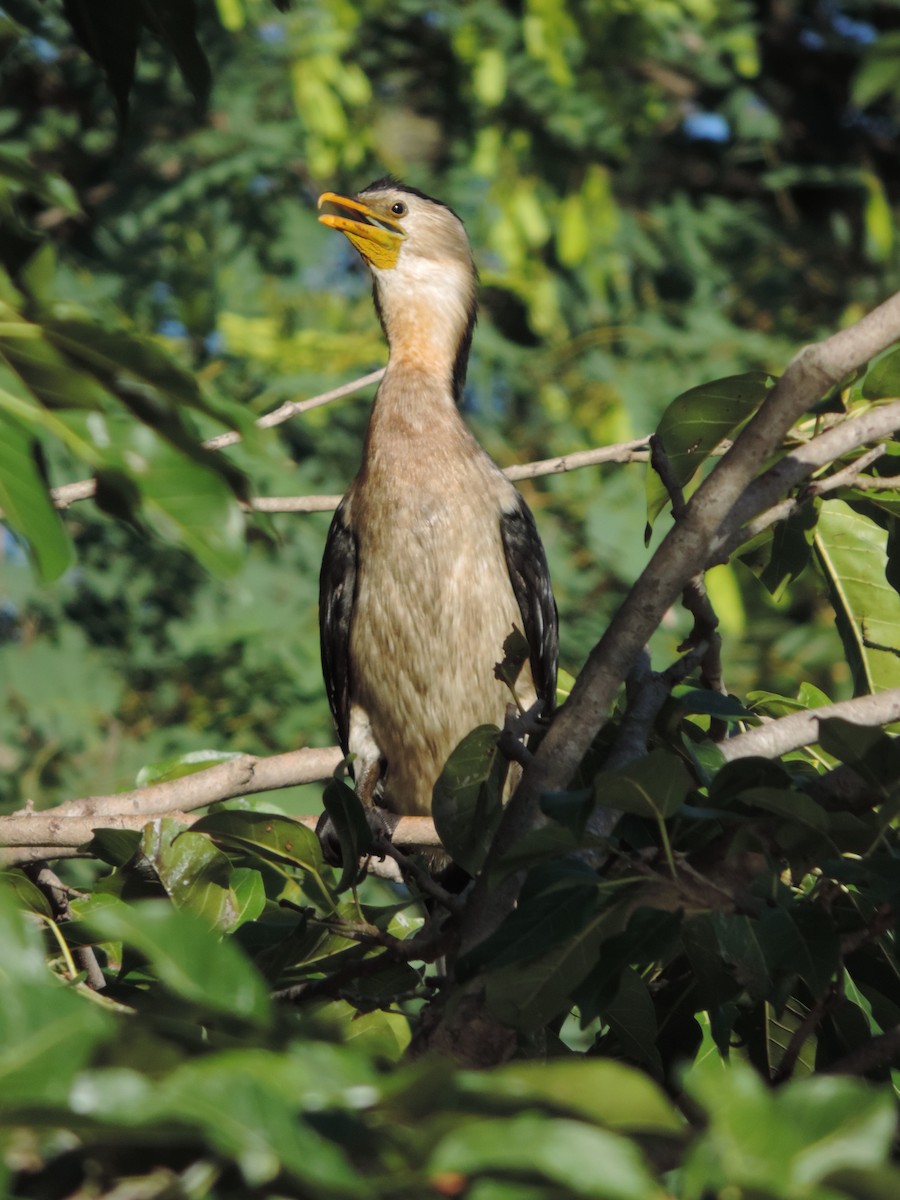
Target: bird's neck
428,322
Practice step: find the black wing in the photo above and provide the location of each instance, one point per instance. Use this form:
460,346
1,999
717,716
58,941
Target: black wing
337,591
530,578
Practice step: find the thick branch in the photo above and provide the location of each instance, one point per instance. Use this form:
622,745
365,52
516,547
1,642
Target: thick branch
238,777
62,839
795,467
802,728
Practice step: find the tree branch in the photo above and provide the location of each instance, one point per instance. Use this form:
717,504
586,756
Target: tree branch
794,468
806,379
802,728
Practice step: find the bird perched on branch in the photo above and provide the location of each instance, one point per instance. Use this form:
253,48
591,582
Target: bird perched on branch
433,556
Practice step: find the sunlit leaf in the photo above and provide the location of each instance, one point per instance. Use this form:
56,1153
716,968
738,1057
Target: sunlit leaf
852,557
694,424
205,970
26,504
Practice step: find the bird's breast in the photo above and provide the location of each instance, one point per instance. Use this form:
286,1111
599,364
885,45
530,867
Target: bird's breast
434,604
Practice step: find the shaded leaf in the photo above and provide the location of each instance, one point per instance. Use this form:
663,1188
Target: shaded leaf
467,797
348,817
654,786
194,873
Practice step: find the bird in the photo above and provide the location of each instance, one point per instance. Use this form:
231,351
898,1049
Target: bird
433,557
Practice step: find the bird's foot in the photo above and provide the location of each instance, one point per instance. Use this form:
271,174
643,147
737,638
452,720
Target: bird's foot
381,825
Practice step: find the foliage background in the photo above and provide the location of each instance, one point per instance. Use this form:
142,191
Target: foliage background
659,193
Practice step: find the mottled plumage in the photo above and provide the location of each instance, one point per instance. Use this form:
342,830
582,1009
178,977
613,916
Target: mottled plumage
432,556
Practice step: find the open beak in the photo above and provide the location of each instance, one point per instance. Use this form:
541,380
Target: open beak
376,237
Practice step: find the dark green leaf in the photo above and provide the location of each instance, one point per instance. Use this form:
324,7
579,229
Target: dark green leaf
109,33
467,797
882,381
654,786
194,873
348,817
696,421
632,1020
175,24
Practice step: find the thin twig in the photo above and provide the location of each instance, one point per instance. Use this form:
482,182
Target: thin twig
57,895
294,408
70,493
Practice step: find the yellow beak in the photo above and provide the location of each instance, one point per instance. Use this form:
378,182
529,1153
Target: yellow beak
376,237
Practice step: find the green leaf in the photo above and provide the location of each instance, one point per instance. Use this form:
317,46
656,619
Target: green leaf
654,786
714,704
275,837
25,502
873,754
599,1090
189,959
583,1161
793,805
114,846
694,424
249,892
632,1020
50,377
882,381
110,36
175,24
348,817
181,765
786,1143
527,993
780,1027
467,803
47,1031
194,873
851,551
740,946
243,1108
781,554
189,503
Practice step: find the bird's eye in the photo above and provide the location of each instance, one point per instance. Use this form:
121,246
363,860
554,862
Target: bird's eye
399,209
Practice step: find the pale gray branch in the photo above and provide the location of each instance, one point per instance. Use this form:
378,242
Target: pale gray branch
241,776
802,728
791,470
293,408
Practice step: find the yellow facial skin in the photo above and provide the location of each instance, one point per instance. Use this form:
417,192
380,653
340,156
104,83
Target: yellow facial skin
375,235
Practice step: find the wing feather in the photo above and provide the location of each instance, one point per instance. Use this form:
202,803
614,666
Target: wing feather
530,578
337,592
